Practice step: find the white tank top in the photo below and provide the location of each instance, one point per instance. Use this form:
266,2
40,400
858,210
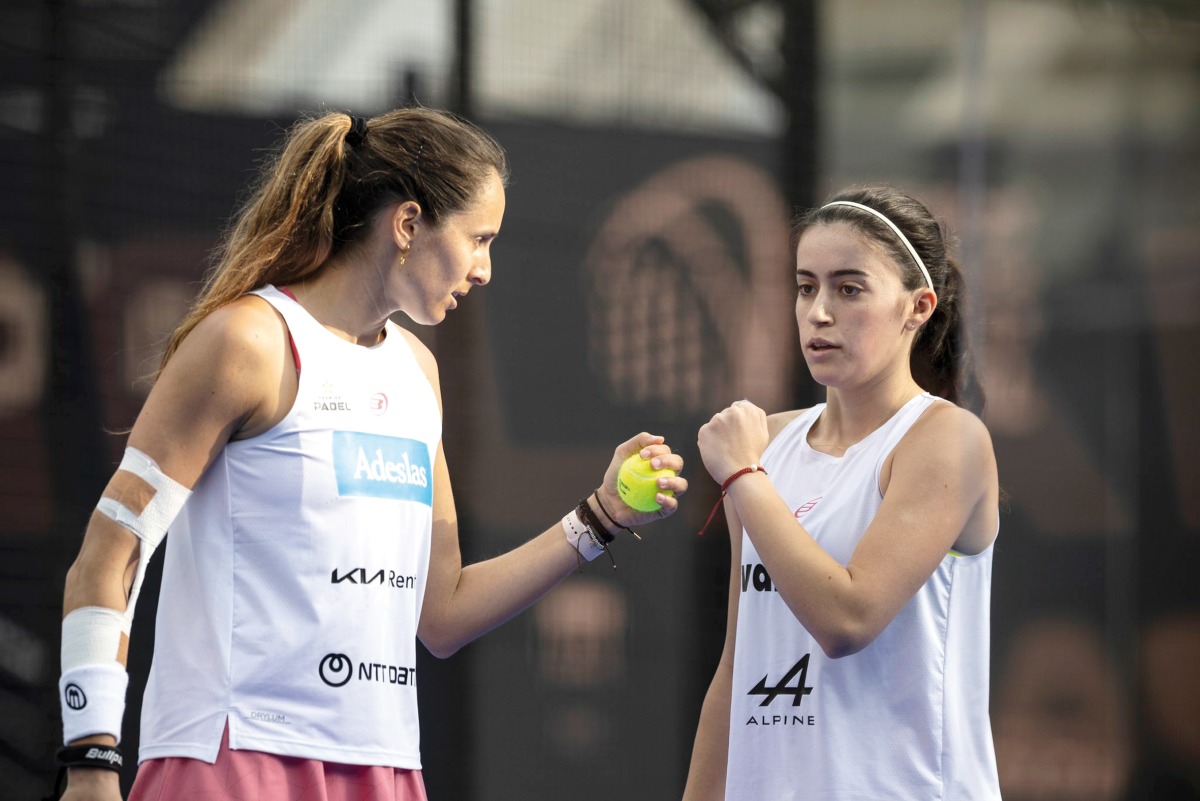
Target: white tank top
906,717
293,578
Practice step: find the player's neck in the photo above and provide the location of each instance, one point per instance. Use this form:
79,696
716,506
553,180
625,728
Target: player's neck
339,299
851,416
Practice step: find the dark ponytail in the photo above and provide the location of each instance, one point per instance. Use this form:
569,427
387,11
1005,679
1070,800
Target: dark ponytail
940,361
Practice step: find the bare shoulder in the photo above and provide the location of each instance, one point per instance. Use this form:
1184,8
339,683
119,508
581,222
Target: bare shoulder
238,359
948,440
231,377
946,423
948,455
248,329
780,420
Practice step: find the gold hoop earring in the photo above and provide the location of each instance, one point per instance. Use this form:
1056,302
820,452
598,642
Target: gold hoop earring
404,255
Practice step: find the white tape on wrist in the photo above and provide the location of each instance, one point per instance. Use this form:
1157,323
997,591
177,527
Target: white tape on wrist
92,687
91,635
580,538
93,700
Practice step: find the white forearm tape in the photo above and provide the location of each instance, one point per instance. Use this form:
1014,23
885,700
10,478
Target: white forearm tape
582,541
93,683
151,525
91,635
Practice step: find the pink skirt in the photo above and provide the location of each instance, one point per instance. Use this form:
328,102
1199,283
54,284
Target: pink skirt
255,776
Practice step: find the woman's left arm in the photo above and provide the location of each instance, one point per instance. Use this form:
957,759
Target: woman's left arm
940,493
463,603
516,579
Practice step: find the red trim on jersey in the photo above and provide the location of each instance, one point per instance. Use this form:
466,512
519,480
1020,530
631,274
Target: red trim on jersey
292,342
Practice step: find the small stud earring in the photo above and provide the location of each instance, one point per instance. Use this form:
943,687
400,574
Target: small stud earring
909,325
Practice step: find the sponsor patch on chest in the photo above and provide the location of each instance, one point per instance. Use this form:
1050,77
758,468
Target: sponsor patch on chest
374,466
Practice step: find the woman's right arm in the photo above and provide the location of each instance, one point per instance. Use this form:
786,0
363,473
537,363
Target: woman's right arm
227,379
710,752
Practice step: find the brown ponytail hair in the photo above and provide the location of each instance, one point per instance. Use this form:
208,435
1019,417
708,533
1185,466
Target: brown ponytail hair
316,195
939,360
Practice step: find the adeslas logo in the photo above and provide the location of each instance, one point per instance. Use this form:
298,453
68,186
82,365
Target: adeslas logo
382,467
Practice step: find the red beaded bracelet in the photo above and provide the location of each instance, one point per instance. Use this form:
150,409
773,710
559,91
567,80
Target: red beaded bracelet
754,468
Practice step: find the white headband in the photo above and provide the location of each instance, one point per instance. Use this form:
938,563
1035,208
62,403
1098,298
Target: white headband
911,250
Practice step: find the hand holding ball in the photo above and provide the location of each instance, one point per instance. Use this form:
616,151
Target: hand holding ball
637,483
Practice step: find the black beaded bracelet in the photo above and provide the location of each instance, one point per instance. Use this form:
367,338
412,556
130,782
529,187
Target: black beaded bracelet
612,519
108,757
596,529
590,520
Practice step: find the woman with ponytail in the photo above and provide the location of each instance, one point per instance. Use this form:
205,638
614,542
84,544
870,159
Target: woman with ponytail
292,445
856,657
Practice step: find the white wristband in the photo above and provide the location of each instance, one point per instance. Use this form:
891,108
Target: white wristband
580,537
93,700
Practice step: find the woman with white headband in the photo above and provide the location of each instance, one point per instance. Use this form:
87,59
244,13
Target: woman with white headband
857,645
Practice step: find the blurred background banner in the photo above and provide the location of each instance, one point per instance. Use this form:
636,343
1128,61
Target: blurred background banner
659,150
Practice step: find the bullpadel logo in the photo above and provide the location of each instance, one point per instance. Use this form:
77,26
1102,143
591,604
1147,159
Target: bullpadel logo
369,465
74,697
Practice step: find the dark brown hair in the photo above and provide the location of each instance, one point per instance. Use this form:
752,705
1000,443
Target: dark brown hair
939,360
316,195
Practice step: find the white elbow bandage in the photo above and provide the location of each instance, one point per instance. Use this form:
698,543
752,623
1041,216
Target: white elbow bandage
150,526
93,683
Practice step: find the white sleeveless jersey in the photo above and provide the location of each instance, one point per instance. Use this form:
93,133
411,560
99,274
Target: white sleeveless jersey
293,578
906,717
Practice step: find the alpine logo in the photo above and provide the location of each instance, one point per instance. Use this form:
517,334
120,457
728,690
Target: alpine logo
74,697
784,687
337,670
806,507
377,403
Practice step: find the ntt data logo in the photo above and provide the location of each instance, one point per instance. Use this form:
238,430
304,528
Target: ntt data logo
336,670
382,467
